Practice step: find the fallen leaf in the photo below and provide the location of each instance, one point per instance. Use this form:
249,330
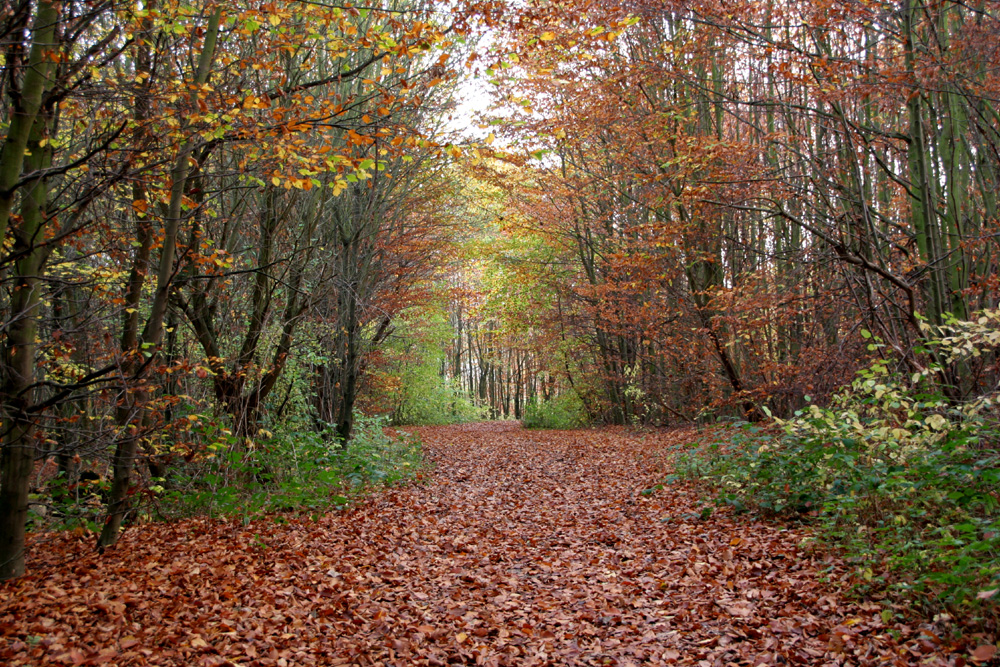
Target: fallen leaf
517,544
984,652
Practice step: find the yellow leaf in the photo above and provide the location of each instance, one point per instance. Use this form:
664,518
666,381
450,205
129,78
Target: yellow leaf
276,181
547,36
274,19
490,139
936,422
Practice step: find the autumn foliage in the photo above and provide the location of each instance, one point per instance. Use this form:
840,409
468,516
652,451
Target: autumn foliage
210,215
237,240
732,192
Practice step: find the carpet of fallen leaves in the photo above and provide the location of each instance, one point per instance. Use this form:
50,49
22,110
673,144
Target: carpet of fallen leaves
520,548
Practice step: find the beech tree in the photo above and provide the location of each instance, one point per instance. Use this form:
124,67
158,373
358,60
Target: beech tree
753,185
168,176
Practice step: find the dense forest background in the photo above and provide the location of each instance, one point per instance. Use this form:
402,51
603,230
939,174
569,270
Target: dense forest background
232,235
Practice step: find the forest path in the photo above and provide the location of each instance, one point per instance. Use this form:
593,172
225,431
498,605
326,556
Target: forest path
523,548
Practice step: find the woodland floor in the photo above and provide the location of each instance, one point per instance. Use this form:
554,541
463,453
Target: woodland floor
522,548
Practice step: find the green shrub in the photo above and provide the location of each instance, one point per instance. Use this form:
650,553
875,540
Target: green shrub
565,411
421,396
428,399
904,480
292,470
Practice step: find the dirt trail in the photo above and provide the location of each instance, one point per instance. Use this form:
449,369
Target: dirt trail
523,548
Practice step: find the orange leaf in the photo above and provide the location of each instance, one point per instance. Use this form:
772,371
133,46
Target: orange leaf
984,653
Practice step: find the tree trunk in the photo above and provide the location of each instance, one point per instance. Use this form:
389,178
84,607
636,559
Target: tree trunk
133,408
18,359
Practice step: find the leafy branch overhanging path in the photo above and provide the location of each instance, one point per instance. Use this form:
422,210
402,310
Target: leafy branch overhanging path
524,548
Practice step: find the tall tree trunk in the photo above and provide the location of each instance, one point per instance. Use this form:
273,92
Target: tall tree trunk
37,79
18,361
132,413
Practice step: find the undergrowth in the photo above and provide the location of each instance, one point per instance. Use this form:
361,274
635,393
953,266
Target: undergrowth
296,470
565,411
905,481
